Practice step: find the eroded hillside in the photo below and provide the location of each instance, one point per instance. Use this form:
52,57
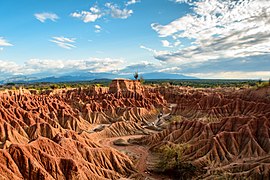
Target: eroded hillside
225,132
72,133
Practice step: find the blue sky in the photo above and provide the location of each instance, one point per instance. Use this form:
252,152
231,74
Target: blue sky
202,38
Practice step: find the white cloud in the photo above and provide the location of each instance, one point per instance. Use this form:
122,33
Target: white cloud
233,75
90,65
49,67
130,2
177,43
142,67
166,43
7,67
45,64
105,65
95,12
116,12
155,52
97,28
170,70
42,17
76,15
92,15
219,29
64,42
183,1
86,16
4,42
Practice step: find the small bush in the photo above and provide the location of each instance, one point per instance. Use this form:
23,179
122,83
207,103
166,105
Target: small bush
171,162
176,118
263,84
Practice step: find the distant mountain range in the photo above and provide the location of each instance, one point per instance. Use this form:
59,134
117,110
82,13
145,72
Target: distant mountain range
162,75
87,76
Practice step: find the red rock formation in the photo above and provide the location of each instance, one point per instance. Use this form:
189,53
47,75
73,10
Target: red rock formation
66,158
104,106
48,136
39,141
224,132
125,86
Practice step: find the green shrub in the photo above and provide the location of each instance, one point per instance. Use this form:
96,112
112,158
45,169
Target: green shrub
171,161
176,118
263,84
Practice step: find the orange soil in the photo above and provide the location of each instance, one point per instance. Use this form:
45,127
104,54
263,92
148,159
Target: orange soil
54,135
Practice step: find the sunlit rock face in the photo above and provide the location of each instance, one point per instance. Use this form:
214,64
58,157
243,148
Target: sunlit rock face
125,86
62,134
225,131
50,135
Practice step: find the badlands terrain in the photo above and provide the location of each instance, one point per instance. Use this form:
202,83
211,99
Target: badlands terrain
131,131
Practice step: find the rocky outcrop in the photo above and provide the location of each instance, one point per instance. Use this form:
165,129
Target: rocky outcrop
50,135
65,158
58,134
40,140
225,133
125,86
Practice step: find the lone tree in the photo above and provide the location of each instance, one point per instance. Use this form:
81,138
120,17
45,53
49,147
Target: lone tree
136,75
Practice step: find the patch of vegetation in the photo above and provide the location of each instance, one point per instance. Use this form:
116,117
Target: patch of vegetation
203,83
171,162
262,84
196,83
43,86
176,118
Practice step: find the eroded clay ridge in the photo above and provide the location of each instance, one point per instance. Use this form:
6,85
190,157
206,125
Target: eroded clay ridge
225,133
53,135
213,104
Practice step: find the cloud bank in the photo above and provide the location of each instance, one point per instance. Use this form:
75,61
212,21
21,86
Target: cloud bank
230,68
49,67
218,29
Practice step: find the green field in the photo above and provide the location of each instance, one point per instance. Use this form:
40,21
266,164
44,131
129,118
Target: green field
196,83
206,83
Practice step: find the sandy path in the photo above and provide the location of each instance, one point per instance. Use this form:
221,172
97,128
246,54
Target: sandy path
141,152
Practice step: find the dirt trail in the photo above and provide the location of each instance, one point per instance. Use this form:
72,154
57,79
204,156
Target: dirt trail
138,153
